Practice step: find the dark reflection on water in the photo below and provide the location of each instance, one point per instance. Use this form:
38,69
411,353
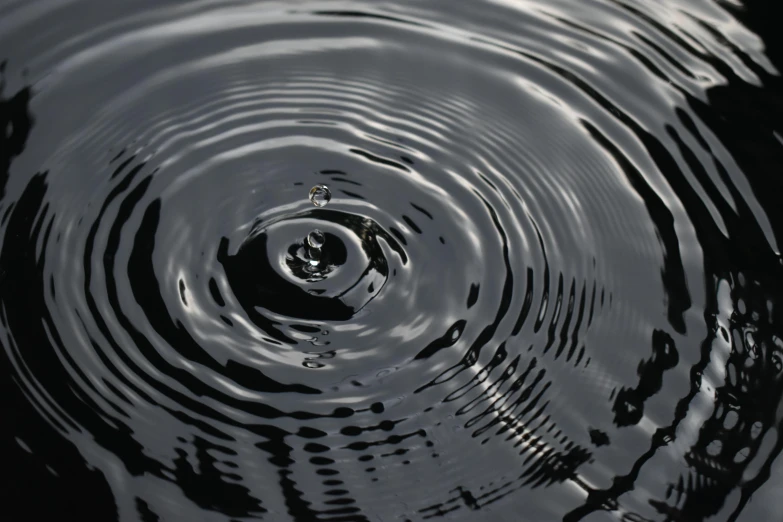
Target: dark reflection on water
549,290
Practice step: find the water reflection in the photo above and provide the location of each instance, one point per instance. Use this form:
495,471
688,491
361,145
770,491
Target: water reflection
550,285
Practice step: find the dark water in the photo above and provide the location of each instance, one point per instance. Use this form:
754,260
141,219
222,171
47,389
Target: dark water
550,289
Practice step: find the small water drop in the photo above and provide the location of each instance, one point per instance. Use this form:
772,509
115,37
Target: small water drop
316,239
320,195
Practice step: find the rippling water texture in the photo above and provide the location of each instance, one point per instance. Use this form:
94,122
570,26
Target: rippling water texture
550,287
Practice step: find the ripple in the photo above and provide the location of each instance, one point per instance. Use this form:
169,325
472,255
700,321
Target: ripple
530,277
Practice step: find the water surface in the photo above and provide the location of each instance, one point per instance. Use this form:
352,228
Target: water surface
549,286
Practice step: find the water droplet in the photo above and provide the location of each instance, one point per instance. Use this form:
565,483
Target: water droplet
320,195
316,239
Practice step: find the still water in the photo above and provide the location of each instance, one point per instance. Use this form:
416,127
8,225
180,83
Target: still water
547,284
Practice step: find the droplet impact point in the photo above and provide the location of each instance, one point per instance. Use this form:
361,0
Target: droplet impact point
320,195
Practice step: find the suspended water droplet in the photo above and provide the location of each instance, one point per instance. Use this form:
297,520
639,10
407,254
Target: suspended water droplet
316,239
320,195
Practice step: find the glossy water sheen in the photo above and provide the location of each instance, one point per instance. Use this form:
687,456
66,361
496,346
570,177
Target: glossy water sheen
550,287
